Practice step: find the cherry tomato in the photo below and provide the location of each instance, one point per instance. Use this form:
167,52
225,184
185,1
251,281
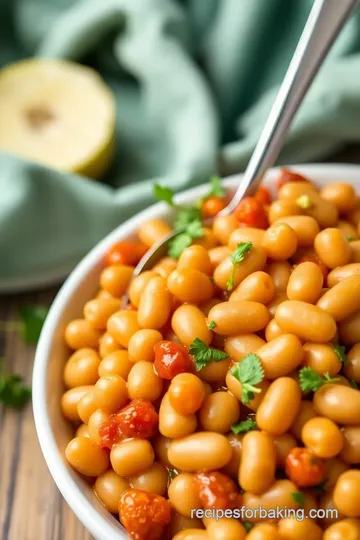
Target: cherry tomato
110,432
217,489
125,253
138,419
251,213
304,468
144,515
286,175
263,195
212,206
314,259
171,359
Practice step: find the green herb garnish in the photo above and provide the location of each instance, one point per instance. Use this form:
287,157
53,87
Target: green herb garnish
13,393
216,189
249,372
212,325
183,240
236,257
304,202
243,427
351,238
32,321
185,216
341,354
247,526
311,381
298,497
163,193
203,354
172,473
353,384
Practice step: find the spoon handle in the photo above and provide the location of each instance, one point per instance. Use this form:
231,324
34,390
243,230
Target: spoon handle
325,22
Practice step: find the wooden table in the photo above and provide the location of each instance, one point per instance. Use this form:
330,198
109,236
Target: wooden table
31,507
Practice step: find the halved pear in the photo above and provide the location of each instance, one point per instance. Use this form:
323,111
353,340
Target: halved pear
57,113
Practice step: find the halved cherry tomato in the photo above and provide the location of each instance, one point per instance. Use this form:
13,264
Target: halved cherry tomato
212,206
263,195
171,359
251,213
286,175
143,514
128,253
138,419
217,489
304,468
314,259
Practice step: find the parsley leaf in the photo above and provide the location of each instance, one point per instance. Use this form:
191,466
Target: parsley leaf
163,193
249,372
353,384
183,240
212,325
32,319
304,202
311,381
236,257
172,473
341,354
13,393
247,526
298,497
244,426
203,354
216,189
185,216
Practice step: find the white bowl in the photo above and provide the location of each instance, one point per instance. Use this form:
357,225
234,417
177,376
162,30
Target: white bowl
53,431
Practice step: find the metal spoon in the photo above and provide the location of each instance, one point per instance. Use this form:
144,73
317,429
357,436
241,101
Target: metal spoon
325,22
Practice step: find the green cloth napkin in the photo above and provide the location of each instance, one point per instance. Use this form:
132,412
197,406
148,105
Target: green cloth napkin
193,81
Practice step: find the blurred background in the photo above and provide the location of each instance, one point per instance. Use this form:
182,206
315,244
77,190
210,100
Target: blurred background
99,100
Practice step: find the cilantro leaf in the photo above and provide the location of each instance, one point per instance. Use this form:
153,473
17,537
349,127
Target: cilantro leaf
304,202
311,381
351,238
32,319
163,193
216,189
243,427
178,244
13,393
203,354
341,354
185,216
172,473
183,240
298,497
236,257
195,229
353,384
249,372
247,526
212,325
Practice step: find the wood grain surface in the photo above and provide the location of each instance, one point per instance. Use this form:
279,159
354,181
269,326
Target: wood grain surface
31,507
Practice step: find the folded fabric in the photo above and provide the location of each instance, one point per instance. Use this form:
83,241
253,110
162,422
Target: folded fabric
193,82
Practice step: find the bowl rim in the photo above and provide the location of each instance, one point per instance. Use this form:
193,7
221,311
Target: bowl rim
92,520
